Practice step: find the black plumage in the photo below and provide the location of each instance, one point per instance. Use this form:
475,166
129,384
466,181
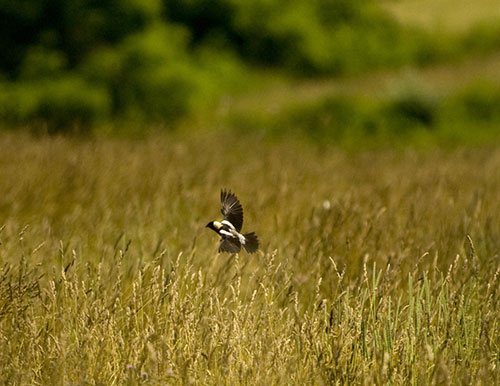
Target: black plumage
231,209
229,228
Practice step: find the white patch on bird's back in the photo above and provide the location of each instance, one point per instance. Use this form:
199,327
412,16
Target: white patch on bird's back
225,222
233,233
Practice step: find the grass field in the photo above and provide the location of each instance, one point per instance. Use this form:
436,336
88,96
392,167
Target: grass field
375,267
444,15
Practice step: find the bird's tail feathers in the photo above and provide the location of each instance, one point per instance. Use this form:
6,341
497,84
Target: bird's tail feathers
251,242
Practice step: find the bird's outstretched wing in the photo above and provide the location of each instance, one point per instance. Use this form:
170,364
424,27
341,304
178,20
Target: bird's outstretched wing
231,209
229,245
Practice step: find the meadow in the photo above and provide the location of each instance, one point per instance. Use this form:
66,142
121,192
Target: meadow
376,267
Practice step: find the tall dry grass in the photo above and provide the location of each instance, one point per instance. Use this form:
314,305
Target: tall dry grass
376,268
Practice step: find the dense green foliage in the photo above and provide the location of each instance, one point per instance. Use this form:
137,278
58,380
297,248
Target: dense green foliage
78,62
375,268
68,65
332,36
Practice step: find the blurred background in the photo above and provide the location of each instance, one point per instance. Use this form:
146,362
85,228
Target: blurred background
340,71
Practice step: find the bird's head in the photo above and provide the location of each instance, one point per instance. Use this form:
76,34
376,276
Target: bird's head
210,225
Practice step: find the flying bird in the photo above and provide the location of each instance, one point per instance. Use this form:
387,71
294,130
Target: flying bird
229,228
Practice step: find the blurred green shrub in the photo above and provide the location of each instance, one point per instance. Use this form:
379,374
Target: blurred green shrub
81,62
307,37
73,28
66,103
469,115
146,78
409,111
479,102
483,38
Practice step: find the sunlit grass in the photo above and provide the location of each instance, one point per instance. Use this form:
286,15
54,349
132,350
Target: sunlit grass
376,268
444,15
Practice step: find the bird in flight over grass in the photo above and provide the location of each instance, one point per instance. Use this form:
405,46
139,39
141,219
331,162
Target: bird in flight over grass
229,228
